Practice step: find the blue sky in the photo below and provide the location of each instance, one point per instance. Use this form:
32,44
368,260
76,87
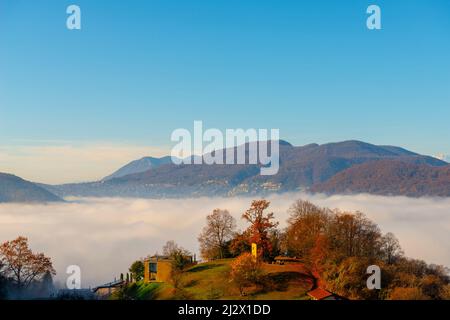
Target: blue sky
140,69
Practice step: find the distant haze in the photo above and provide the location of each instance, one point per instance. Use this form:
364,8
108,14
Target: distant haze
103,236
64,162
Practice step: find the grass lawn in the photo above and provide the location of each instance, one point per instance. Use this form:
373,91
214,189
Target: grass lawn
211,281
144,291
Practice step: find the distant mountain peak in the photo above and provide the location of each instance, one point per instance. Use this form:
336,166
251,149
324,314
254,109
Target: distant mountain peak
15,189
285,143
139,166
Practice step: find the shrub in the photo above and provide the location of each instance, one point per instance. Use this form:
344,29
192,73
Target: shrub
246,271
407,294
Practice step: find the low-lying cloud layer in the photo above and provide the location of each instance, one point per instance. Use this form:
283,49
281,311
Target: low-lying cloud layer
103,236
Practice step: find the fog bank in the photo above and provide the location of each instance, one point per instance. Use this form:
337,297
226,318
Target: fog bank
103,236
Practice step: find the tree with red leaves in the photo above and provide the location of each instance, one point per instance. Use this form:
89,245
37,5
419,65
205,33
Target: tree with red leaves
22,265
261,225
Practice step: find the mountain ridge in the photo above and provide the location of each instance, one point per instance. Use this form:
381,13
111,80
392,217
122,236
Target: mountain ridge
301,168
138,166
389,177
17,190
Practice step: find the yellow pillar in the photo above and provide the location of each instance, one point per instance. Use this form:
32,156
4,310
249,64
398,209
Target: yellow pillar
254,251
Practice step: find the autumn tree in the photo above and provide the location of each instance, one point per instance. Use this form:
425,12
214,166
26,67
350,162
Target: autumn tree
170,247
260,226
180,258
275,240
390,248
306,224
407,294
348,278
245,271
445,292
339,246
319,255
431,286
3,282
22,265
353,235
240,244
216,234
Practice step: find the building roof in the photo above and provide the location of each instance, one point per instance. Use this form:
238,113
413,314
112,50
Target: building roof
164,258
114,284
319,294
158,258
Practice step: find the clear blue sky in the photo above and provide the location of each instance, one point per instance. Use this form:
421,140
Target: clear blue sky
140,69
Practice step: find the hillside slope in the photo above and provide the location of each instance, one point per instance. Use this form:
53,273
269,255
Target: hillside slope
211,281
15,189
138,166
388,177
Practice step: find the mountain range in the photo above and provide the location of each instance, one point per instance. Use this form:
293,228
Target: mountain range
346,167
304,168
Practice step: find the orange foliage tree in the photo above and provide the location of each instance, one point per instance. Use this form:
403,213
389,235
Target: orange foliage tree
245,271
260,226
21,265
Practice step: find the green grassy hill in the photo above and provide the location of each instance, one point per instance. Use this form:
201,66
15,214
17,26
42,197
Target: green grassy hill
211,281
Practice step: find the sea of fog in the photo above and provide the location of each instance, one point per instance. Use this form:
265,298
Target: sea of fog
103,236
